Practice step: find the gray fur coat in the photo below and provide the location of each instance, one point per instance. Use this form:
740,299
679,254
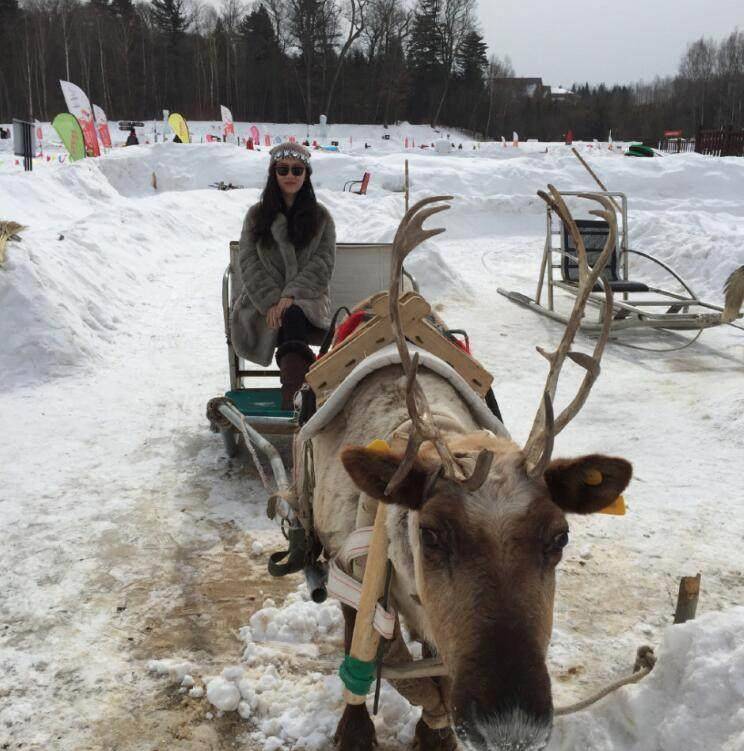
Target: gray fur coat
274,269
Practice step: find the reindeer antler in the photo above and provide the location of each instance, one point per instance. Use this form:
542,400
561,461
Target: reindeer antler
423,428
544,429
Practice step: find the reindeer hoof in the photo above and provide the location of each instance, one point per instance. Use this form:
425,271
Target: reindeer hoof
428,739
355,731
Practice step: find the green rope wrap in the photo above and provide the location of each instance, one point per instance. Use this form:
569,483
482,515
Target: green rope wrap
357,675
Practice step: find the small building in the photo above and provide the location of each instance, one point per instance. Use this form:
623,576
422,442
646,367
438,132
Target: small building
529,86
559,94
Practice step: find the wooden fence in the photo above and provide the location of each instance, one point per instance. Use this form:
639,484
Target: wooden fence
728,142
677,145
722,142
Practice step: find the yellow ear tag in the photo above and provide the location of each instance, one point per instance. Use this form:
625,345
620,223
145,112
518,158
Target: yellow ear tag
593,477
617,507
378,446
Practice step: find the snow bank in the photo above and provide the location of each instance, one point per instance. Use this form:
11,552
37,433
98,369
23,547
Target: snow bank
96,228
693,699
67,284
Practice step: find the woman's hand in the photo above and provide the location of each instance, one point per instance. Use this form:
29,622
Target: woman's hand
274,314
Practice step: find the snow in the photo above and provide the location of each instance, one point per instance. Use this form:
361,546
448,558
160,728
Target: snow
134,551
223,694
692,699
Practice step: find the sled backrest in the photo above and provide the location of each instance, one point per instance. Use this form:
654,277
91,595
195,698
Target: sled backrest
594,234
361,270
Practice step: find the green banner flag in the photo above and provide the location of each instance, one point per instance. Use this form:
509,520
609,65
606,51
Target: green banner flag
71,133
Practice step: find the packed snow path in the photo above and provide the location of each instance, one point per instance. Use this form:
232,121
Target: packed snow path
127,534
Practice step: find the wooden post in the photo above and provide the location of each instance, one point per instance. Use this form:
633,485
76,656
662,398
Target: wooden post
687,599
365,640
406,185
598,181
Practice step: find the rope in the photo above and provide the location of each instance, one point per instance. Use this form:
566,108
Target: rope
259,467
645,661
215,417
357,675
621,343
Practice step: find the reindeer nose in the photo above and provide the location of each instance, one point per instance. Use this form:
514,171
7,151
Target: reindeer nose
509,730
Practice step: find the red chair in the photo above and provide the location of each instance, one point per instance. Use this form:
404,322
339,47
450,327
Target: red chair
363,183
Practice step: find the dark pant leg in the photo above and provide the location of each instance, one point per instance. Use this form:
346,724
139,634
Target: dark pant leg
295,326
293,355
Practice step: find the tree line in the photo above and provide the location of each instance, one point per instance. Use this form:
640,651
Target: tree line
357,61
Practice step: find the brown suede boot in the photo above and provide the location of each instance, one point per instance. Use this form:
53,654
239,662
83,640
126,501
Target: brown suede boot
294,359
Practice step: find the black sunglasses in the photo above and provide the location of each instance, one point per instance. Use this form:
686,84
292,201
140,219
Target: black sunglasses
283,170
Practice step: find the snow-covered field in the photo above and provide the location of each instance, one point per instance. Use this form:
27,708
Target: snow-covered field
135,611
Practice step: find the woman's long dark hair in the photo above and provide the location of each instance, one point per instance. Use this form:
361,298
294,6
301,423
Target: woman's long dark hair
303,219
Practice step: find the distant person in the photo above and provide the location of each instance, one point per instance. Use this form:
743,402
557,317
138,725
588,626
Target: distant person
176,139
4,133
132,139
287,254
249,143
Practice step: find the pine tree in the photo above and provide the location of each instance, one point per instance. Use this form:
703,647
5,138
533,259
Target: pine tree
259,35
170,18
424,48
122,8
425,59
8,8
472,59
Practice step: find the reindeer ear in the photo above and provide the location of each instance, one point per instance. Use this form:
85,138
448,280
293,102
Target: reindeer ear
371,470
588,483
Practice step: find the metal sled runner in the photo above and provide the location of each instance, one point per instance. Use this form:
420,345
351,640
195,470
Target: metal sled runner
636,303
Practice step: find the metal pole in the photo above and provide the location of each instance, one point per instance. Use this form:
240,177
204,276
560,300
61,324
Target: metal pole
28,154
406,184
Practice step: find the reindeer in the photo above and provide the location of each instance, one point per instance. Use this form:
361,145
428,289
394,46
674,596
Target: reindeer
476,525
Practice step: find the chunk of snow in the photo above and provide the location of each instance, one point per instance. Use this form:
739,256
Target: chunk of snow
174,670
223,694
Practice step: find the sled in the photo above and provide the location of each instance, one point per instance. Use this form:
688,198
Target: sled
638,149
363,183
251,409
221,185
636,303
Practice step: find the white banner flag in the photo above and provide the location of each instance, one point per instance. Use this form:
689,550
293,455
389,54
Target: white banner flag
78,105
227,121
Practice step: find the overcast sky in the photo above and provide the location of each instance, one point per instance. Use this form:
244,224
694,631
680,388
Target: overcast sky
567,41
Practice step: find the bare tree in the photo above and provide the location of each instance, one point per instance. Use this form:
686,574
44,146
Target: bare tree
353,12
456,21
698,67
730,70
497,69
309,22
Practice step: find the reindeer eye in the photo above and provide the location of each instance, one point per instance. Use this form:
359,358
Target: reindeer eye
430,538
558,543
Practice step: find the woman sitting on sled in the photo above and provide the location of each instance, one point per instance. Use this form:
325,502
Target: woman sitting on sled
287,253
